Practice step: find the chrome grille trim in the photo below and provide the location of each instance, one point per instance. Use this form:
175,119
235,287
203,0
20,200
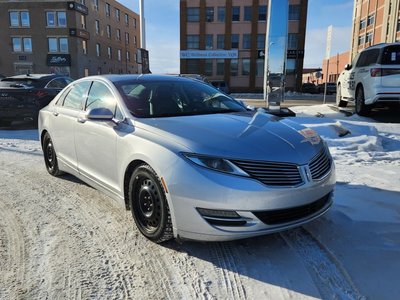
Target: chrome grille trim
272,173
320,165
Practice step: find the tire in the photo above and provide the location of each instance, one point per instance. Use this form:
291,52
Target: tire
361,108
149,205
50,157
339,101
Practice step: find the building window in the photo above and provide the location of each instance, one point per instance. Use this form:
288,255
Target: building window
128,56
109,52
363,23
262,13
97,25
58,45
293,40
119,54
209,42
96,5
220,67
192,41
193,66
368,38
361,40
234,41
245,66
248,13
208,67
108,9
294,12
84,47
260,41
83,21
235,13
22,44
126,19
98,50
234,67
135,40
246,41
126,38
209,14
118,34
371,19
134,23
260,67
220,41
19,19
290,66
221,14
117,14
398,26
193,14
56,18
109,31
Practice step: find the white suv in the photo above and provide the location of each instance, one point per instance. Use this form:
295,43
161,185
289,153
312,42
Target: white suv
373,77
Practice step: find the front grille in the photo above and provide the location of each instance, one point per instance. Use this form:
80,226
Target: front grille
320,165
271,173
279,216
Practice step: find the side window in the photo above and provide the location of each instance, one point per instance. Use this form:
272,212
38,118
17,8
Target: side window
77,95
60,100
372,57
361,61
100,96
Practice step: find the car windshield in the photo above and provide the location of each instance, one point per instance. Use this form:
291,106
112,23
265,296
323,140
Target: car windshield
175,98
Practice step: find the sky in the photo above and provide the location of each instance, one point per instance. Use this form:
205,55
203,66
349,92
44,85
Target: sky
162,31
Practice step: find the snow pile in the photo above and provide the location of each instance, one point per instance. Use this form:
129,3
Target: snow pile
24,141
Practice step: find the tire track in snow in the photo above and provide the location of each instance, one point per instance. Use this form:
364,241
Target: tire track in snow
226,265
329,276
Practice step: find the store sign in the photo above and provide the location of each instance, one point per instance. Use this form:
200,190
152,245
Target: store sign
58,60
78,7
209,54
293,54
83,34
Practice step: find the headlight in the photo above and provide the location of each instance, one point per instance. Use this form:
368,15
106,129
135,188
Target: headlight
215,163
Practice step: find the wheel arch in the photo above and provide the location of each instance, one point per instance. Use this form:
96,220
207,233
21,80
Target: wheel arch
127,176
43,133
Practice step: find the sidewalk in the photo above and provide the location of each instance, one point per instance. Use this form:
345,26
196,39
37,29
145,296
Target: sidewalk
257,100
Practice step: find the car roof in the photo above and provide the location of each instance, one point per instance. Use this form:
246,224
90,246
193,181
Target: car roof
381,45
139,77
35,76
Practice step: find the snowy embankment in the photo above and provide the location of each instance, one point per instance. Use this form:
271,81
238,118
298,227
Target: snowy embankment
62,239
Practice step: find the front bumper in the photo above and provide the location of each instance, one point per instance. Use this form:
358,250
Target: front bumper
250,199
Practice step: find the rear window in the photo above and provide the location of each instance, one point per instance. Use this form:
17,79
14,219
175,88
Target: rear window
391,55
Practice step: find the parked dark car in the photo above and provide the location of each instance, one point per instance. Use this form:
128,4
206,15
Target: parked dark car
330,88
309,88
221,85
196,76
22,96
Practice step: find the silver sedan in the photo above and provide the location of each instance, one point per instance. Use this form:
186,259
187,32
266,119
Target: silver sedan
189,161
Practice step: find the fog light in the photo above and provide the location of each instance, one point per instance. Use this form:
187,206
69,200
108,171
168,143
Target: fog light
217,213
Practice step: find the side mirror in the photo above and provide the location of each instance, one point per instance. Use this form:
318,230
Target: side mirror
347,67
100,114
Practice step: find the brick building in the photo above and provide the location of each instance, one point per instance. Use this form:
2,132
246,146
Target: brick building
374,22
78,38
225,40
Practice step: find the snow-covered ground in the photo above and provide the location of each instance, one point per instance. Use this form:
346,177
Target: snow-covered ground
59,238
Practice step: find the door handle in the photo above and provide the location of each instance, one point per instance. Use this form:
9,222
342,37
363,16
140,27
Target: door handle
55,113
81,120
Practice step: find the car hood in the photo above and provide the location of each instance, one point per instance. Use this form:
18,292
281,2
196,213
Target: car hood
246,135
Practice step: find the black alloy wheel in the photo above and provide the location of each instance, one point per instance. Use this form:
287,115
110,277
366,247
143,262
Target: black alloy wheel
361,108
50,157
149,205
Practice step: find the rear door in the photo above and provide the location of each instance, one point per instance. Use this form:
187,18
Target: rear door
390,62
364,72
